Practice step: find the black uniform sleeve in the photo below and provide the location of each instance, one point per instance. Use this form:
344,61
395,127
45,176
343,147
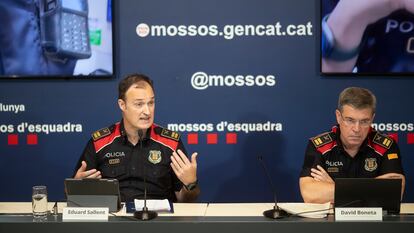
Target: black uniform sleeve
312,158
391,161
89,156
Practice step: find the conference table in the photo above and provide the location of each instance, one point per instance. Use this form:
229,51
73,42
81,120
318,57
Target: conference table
200,218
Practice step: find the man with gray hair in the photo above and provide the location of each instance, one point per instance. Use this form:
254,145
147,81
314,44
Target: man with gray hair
351,149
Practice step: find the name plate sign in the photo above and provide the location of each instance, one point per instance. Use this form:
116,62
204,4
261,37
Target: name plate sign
358,214
85,213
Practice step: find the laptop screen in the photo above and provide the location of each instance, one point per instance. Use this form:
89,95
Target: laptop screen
368,192
93,193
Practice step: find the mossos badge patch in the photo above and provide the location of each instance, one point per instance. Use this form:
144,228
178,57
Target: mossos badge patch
371,164
154,156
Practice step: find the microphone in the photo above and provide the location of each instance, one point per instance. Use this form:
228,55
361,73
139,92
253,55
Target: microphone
276,212
144,214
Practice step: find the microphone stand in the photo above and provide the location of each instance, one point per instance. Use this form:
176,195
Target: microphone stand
276,212
144,214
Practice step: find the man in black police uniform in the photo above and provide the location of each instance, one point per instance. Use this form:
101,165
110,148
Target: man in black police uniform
136,149
352,149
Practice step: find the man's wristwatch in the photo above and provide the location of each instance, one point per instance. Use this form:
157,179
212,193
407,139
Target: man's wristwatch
191,186
329,49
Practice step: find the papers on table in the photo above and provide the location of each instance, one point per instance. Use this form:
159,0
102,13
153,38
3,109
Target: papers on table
154,205
307,210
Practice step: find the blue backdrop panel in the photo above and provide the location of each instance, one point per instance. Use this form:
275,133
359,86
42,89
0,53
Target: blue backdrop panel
297,100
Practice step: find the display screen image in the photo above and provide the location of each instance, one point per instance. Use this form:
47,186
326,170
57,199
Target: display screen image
366,38
56,39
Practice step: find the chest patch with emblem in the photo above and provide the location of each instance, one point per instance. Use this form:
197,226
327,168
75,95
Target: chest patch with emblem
371,164
154,156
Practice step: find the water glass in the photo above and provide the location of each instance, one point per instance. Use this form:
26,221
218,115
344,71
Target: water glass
39,203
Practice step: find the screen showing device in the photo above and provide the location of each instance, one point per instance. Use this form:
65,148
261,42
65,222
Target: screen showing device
57,39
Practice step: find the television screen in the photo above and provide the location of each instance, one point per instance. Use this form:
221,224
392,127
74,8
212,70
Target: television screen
56,38
366,38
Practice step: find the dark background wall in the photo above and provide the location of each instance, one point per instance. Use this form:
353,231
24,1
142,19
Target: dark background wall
302,101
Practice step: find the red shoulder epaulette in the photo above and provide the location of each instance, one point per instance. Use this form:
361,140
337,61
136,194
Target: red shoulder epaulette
380,142
164,136
324,142
105,136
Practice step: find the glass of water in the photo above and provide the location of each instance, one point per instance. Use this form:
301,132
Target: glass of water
39,203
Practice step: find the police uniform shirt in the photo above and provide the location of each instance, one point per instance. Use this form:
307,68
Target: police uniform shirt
378,155
110,152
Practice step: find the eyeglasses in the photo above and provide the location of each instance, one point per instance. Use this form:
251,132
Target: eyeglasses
348,121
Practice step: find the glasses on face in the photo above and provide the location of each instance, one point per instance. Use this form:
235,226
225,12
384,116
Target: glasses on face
349,121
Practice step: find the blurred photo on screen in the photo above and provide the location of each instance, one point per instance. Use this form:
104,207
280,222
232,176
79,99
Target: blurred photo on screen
56,38
367,37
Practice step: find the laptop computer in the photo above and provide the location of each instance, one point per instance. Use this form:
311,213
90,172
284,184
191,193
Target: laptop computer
93,193
369,192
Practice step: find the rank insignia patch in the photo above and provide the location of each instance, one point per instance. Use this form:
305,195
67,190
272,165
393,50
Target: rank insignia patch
154,156
322,140
382,140
100,133
170,134
371,164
